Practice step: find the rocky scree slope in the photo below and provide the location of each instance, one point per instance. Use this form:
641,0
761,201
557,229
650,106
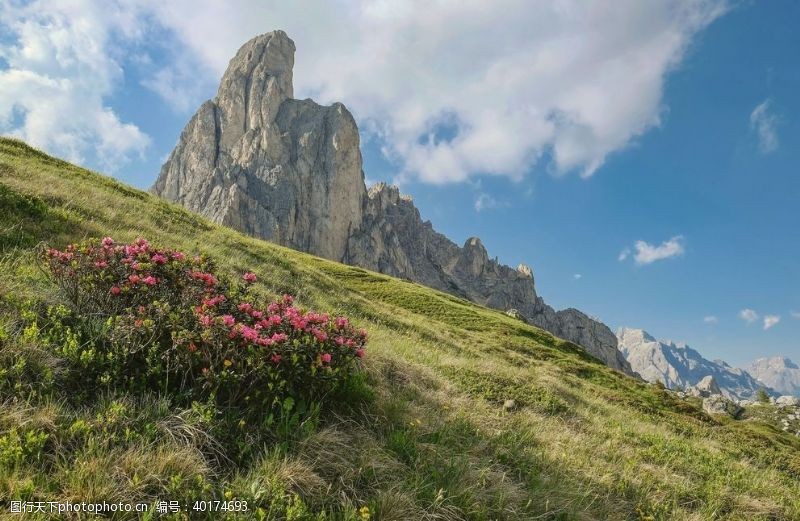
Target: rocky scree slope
677,365
290,171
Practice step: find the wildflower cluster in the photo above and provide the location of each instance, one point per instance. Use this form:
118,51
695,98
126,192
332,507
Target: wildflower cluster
169,322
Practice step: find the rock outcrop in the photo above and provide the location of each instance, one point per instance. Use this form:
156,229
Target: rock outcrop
777,372
677,365
290,171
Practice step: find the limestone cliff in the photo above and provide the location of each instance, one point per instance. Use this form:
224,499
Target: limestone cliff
289,171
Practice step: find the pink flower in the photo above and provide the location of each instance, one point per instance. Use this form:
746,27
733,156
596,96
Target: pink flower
101,264
245,307
288,300
150,280
107,242
275,320
158,259
319,335
134,279
273,308
256,314
341,322
279,337
360,352
339,340
249,334
228,320
249,277
115,290
178,256
325,358
138,323
206,320
276,358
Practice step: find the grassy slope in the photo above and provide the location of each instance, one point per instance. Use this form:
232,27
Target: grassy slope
584,443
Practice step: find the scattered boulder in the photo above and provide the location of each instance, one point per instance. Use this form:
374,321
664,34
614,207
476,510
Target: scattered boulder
513,313
509,405
718,404
705,388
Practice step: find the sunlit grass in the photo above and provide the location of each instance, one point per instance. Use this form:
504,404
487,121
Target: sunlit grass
433,440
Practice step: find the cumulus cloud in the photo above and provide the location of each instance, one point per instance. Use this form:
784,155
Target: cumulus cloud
646,253
770,321
764,122
710,319
748,315
59,71
577,276
513,83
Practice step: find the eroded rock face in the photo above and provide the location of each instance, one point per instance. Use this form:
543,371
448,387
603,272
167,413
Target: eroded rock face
289,171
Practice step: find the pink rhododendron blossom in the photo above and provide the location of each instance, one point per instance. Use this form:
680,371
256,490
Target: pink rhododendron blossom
134,279
319,335
341,322
360,352
107,242
101,264
228,320
206,320
249,277
150,280
158,259
115,290
276,358
325,357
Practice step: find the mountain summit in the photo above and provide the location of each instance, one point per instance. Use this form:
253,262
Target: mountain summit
677,365
777,372
290,171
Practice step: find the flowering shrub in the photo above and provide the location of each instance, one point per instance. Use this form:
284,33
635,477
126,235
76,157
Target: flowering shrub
151,318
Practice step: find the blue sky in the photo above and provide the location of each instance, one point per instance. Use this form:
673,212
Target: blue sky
680,134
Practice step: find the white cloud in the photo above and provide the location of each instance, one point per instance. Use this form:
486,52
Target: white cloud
770,321
646,253
710,319
577,276
748,315
485,202
60,70
763,122
795,314
516,83
513,81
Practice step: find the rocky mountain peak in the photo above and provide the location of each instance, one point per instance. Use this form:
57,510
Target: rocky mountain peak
525,270
290,171
677,365
257,81
777,372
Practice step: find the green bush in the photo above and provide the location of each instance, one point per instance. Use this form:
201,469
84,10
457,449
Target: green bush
141,318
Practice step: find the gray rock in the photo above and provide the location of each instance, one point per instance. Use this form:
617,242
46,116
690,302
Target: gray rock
290,171
509,405
705,388
787,401
718,404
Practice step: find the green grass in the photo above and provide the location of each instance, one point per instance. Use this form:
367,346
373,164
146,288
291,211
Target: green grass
428,439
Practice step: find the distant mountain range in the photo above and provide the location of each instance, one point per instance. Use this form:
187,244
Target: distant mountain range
677,365
778,372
